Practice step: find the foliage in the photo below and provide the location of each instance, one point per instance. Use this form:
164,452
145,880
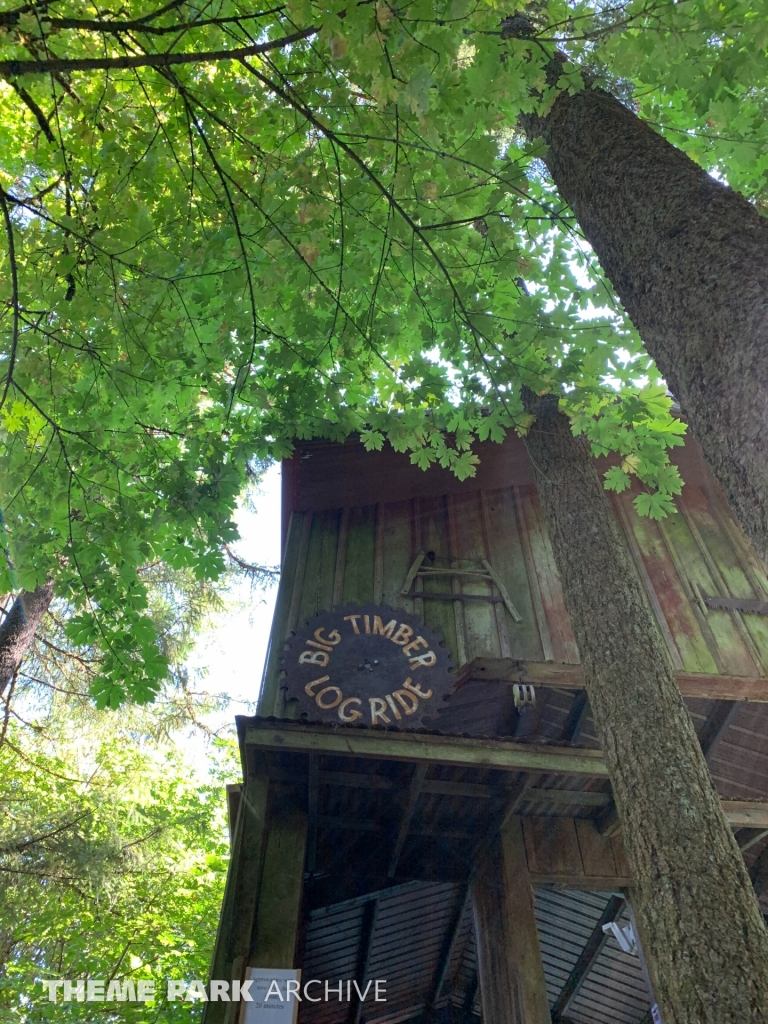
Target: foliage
113,858
227,228
113,847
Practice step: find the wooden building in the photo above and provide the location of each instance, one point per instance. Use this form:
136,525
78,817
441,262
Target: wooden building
467,850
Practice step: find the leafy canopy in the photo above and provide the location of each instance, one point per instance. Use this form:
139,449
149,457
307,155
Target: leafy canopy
113,845
113,859
226,228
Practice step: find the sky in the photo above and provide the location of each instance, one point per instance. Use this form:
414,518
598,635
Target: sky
230,654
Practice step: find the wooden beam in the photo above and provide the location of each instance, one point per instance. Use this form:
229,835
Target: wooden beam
370,917
233,937
439,787
758,873
414,792
570,851
417,747
587,958
280,888
313,785
468,1007
576,718
571,677
359,901
738,814
512,985
449,948
746,813
716,725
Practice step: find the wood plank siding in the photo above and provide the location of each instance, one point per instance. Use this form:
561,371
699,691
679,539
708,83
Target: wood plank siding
354,521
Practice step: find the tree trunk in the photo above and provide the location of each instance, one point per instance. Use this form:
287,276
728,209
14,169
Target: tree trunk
19,627
688,258
700,924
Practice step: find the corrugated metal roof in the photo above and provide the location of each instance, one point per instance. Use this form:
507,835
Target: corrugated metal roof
410,933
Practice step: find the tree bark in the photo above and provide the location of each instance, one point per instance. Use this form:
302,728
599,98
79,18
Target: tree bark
700,924
19,627
688,258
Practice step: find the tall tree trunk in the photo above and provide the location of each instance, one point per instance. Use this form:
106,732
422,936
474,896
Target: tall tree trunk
700,924
19,627
688,258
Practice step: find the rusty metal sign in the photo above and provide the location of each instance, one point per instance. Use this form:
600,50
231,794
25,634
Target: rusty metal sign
368,665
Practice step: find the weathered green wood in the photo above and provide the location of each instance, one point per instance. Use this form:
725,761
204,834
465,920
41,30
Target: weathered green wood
480,622
559,627
622,516
358,570
378,554
700,685
718,628
233,939
506,555
398,555
281,622
699,552
537,601
403,746
752,565
279,903
704,544
341,558
730,573
435,538
317,586
455,584
670,590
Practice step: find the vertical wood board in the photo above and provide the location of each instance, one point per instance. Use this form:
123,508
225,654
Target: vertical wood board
320,566
506,555
558,621
482,631
695,653
359,565
399,553
718,627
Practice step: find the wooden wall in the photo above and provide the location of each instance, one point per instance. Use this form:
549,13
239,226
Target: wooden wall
355,520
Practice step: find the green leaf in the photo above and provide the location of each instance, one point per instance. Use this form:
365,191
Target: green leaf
617,480
655,505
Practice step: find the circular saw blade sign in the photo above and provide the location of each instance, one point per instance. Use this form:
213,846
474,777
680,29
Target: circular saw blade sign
367,665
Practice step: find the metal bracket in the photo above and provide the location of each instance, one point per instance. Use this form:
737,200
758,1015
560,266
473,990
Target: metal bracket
624,936
525,696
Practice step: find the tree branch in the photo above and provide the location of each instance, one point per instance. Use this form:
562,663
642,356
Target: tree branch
40,117
14,294
18,847
251,569
116,27
54,65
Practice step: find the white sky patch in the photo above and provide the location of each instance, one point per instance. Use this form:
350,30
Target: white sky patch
230,654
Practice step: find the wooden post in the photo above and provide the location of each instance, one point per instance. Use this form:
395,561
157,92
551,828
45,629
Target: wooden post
279,904
240,895
260,915
512,986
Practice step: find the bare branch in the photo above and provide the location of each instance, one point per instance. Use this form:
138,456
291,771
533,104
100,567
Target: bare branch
253,570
